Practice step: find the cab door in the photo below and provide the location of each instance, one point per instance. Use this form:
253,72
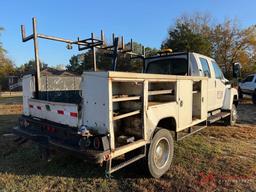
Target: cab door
219,84
206,70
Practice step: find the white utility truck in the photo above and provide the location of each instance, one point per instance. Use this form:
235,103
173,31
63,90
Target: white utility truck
104,116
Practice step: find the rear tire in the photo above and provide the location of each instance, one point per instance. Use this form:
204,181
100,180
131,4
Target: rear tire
240,94
232,118
254,97
160,153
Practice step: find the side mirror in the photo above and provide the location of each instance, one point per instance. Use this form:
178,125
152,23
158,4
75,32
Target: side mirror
236,70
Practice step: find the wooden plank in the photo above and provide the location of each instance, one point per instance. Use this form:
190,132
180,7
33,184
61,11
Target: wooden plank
119,99
160,92
126,115
129,147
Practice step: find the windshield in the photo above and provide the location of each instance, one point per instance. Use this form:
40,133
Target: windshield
173,66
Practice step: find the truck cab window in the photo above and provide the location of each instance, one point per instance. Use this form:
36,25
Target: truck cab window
217,70
172,66
193,66
205,67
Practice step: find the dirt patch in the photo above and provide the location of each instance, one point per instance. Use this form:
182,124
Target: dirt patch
10,109
11,105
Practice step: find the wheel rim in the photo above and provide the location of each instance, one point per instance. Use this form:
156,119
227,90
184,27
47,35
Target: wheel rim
162,152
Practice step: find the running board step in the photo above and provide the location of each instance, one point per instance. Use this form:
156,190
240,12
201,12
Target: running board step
130,161
191,130
217,117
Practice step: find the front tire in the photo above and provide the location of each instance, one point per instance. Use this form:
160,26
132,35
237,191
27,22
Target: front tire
160,153
232,118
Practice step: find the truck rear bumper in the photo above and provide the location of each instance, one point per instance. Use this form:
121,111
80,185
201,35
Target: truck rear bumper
88,154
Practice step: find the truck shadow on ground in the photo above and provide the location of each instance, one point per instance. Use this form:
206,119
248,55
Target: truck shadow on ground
25,160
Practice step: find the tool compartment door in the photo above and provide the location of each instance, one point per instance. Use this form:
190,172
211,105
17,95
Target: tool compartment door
184,103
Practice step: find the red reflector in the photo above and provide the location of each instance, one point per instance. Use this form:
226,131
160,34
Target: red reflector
38,107
61,112
73,114
50,129
30,106
96,143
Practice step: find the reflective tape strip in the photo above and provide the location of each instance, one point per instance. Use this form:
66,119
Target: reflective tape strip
60,112
73,114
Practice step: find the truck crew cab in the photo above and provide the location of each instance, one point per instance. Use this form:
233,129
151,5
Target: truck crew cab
103,116
194,64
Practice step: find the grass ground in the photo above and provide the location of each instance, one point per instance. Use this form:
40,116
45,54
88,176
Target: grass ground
11,100
216,159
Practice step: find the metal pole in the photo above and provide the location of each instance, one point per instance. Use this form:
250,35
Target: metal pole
115,44
93,54
122,43
131,45
113,38
143,51
102,38
37,62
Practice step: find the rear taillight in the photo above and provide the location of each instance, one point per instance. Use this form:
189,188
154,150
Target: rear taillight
51,129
